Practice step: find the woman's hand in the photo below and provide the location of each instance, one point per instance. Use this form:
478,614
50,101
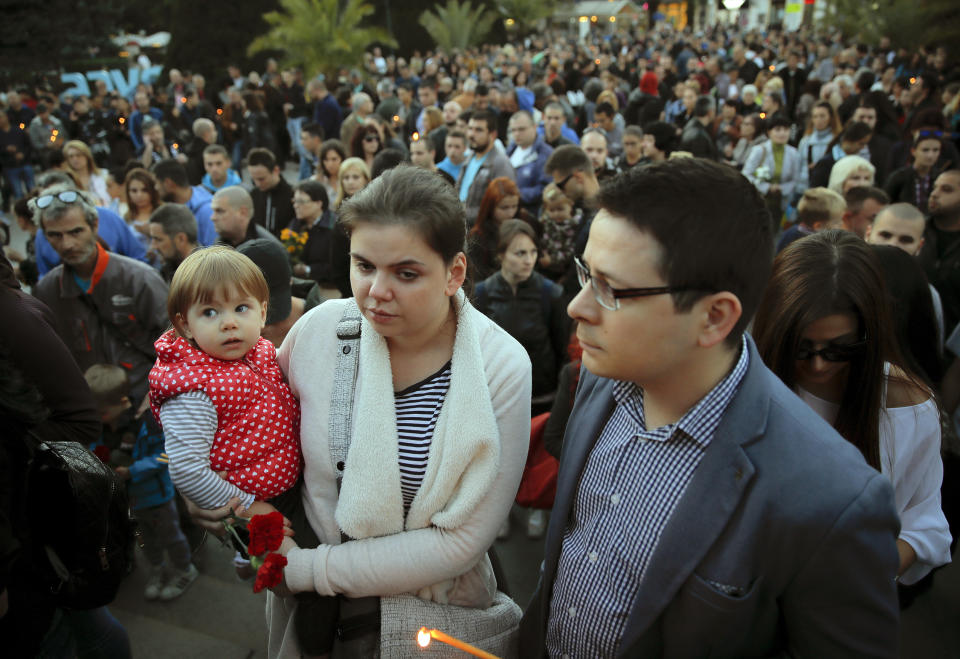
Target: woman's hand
212,520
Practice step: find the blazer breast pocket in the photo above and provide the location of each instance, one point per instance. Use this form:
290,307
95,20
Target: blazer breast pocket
728,598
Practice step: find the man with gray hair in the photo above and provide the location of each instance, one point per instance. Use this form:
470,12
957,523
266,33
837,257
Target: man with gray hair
696,136
173,235
204,134
109,308
233,217
361,105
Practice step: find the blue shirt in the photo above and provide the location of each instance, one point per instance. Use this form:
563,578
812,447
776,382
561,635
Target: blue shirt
199,205
447,166
470,173
630,485
118,235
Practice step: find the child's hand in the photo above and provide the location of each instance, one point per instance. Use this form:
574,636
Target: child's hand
122,472
264,508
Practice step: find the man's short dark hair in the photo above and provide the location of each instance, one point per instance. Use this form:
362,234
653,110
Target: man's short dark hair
856,131
855,197
486,116
429,82
865,80
482,90
174,219
386,159
313,128
633,131
459,134
216,150
567,159
777,121
555,105
664,135
261,156
704,106
605,109
170,169
702,214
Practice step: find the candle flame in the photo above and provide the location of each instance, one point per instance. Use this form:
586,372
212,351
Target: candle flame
423,637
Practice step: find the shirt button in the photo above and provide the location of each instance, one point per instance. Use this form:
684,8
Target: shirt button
572,611
593,557
614,499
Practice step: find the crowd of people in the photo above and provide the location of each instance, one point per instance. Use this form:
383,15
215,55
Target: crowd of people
472,227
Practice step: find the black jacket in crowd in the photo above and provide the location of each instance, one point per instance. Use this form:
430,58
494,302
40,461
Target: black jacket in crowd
327,252
273,209
536,317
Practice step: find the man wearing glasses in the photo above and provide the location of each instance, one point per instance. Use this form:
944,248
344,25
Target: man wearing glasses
572,170
109,308
701,508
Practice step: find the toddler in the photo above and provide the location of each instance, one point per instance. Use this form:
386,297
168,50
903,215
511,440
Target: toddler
231,422
560,225
135,453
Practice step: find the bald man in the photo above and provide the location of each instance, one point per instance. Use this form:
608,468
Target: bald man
233,217
902,225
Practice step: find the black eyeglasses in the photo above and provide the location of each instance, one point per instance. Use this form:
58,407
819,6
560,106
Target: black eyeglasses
833,352
67,197
562,184
609,297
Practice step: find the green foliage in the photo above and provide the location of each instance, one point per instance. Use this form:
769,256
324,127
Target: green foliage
457,26
320,36
908,23
526,13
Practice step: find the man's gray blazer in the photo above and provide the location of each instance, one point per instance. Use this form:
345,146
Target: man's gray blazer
781,508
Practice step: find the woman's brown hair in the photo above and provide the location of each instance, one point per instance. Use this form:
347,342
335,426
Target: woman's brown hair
826,273
150,183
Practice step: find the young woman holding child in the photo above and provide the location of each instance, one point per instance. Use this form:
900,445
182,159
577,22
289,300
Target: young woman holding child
418,504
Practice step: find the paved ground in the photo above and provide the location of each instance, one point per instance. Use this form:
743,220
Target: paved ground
221,617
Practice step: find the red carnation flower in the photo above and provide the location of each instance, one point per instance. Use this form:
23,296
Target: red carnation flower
270,573
266,533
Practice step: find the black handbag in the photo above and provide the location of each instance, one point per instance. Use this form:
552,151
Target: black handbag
82,530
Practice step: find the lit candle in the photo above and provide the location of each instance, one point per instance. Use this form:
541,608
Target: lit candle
425,635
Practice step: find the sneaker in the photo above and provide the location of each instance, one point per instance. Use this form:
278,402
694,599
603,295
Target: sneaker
179,582
536,524
154,583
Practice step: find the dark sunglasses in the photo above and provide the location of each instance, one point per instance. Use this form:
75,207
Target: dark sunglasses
67,197
371,138
562,183
833,352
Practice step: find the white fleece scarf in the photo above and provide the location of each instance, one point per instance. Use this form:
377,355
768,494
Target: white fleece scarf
464,453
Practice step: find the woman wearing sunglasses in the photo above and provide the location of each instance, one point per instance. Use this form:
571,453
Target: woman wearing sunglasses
824,328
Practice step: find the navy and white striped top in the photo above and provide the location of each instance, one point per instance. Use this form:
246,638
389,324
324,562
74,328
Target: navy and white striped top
417,409
631,483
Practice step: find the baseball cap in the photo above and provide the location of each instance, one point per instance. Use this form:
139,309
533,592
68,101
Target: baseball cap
272,260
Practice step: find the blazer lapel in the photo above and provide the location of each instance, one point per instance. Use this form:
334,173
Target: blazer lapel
709,500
